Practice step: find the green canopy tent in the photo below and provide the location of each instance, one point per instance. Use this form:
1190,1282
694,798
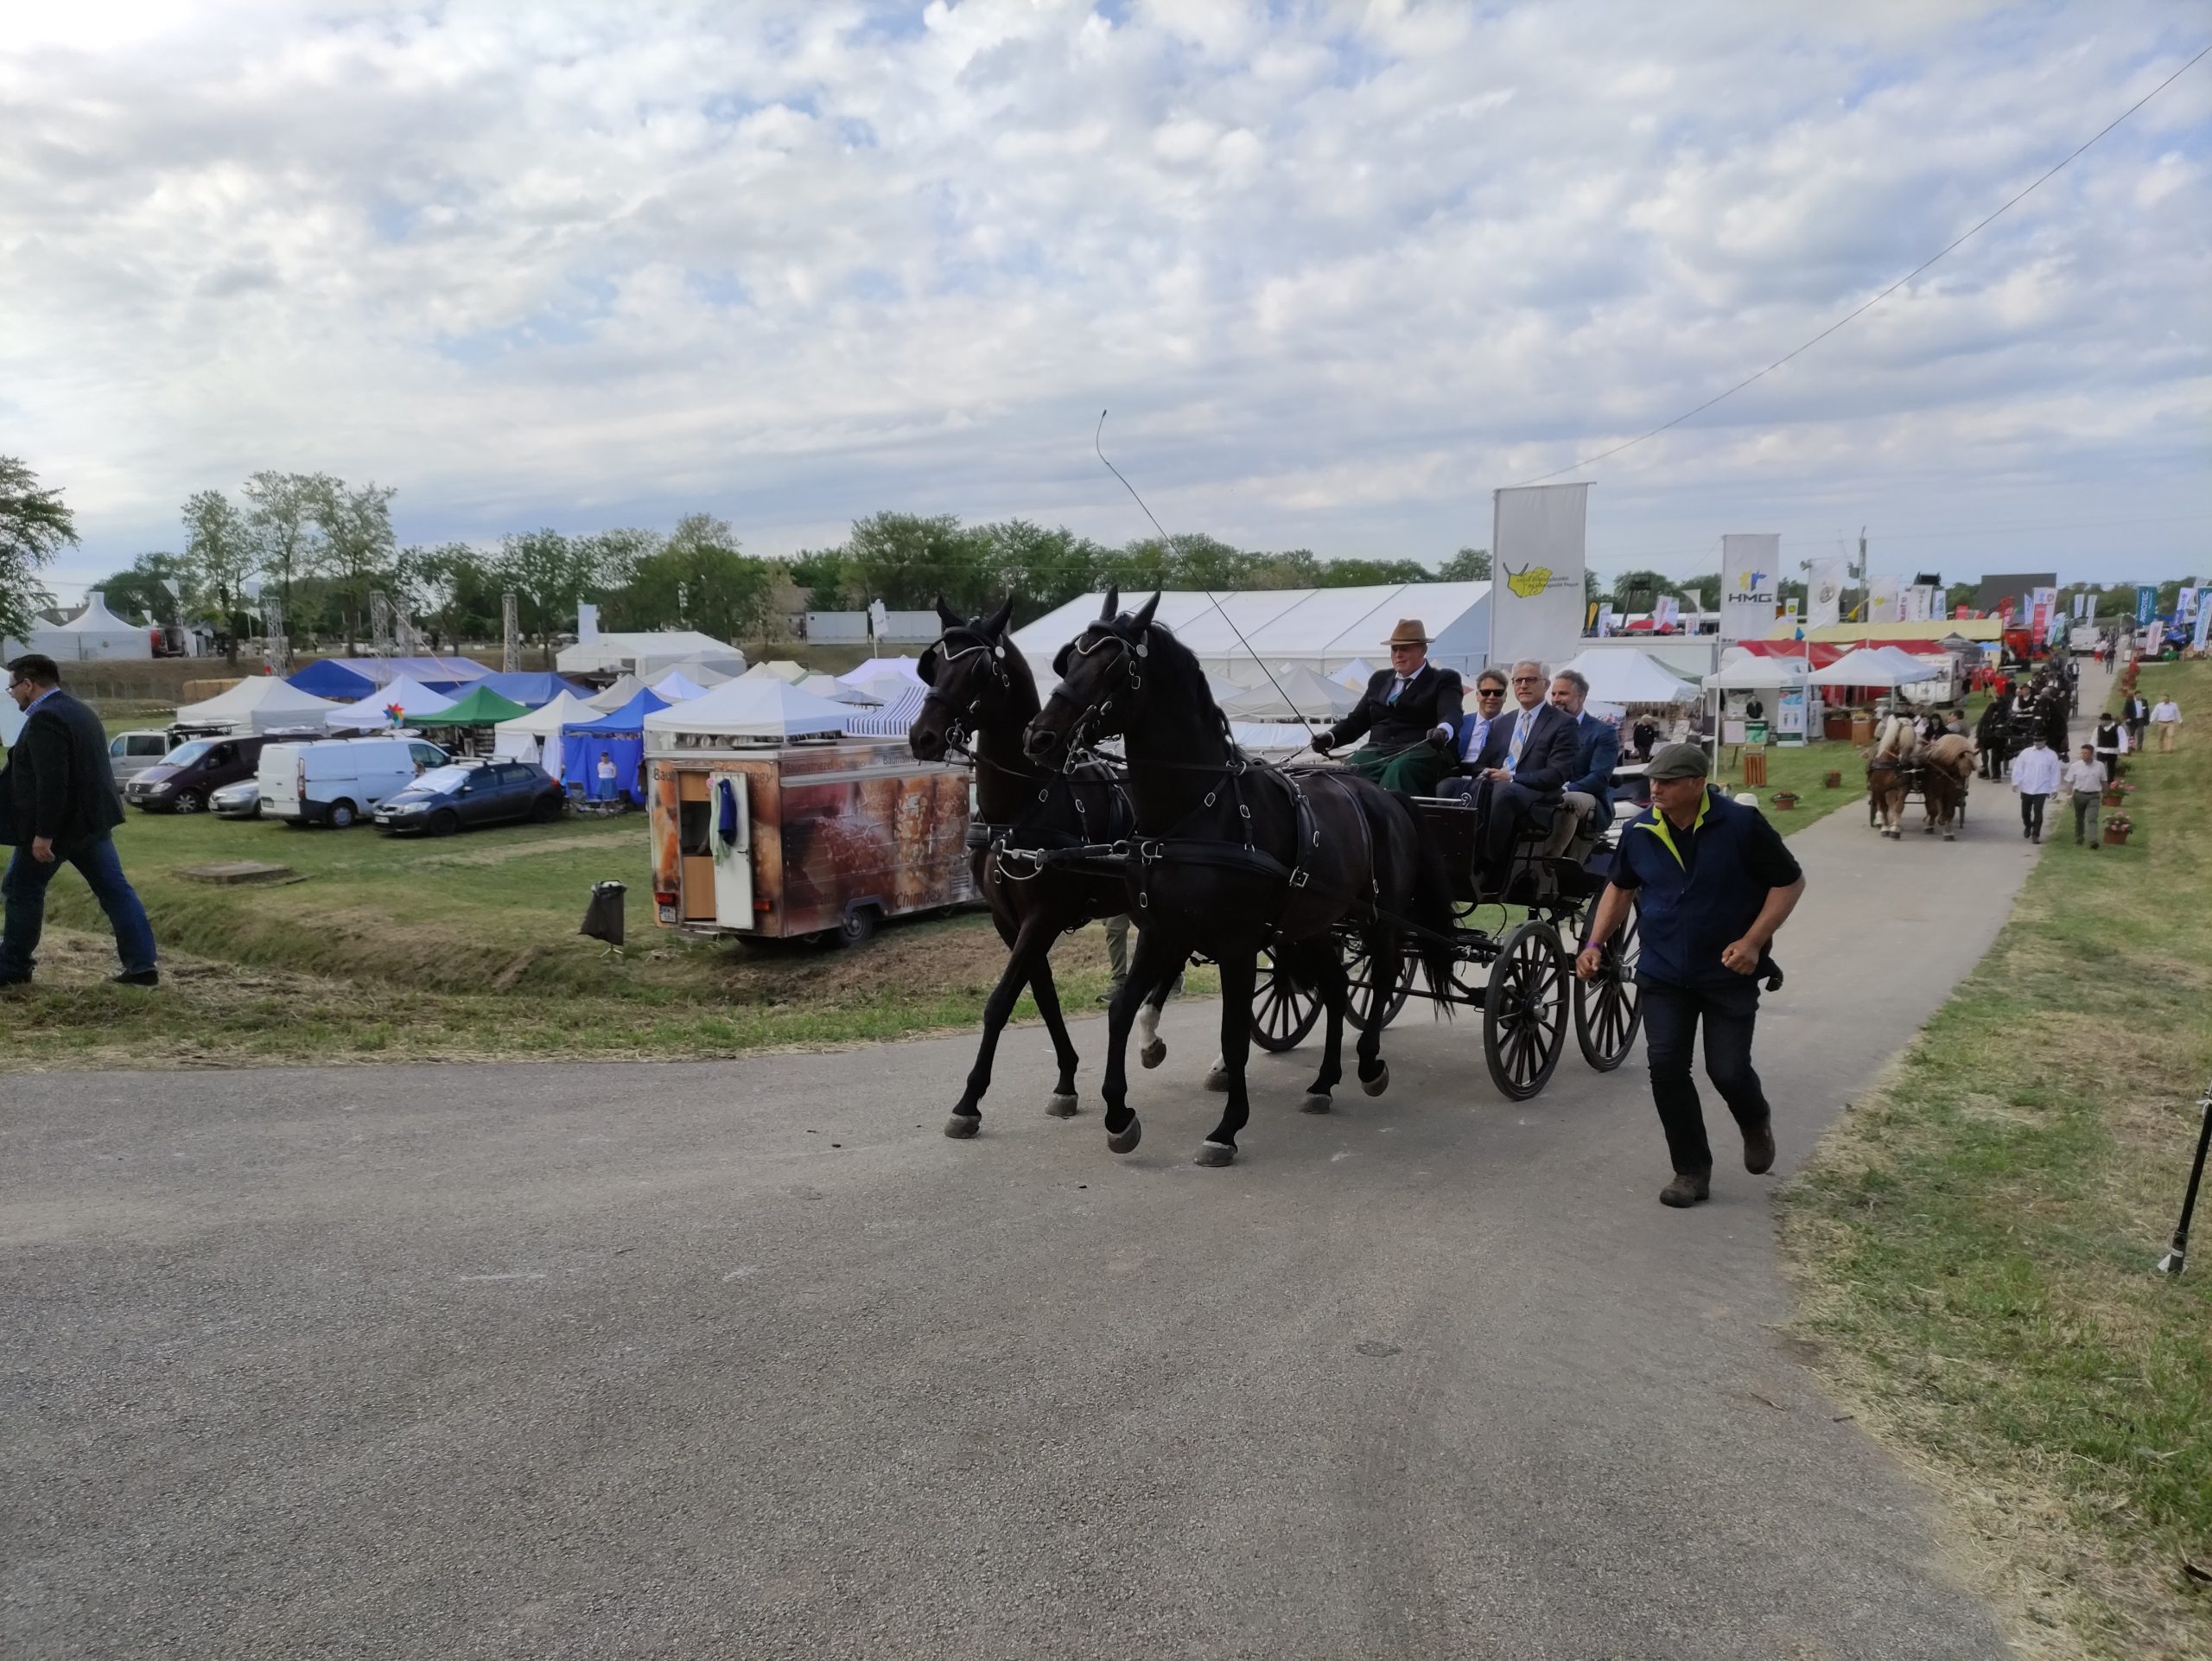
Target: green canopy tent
478,707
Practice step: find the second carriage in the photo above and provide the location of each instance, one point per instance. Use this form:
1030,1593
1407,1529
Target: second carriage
1520,973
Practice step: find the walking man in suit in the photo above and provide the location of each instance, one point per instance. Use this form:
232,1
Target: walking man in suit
1524,767
1596,746
58,806
1410,713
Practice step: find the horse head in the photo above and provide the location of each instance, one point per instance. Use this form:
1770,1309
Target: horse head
1102,676
977,683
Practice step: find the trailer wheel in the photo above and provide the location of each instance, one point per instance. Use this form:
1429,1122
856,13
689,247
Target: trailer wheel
858,927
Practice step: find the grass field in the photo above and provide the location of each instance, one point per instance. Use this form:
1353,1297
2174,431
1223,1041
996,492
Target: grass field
1974,1243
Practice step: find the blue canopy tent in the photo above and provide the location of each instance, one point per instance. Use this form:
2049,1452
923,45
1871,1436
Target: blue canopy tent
621,738
351,679
533,688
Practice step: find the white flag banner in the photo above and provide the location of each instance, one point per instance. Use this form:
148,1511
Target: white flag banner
1824,593
1882,600
1749,579
1536,553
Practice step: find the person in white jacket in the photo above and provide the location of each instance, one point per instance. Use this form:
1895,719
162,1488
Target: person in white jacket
2035,776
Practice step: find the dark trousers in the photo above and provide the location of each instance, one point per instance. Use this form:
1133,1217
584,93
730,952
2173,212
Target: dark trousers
1671,1014
1504,809
2032,814
24,891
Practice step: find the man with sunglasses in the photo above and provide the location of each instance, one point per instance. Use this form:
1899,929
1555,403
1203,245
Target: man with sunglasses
58,806
1521,773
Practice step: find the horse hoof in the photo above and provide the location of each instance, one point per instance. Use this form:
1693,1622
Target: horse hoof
1218,1081
961,1126
1062,1105
1153,1053
1214,1154
1316,1102
1379,1083
1948,837
1126,1142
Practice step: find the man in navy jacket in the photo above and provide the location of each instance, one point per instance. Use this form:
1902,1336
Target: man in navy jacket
1711,881
1524,767
1596,746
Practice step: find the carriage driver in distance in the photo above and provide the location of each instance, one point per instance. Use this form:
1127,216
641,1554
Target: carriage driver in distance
1410,713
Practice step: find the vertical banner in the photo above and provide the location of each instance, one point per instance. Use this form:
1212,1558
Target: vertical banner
1665,613
1961,613
2146,602
1537,551
2047,615
1882,600
2039,616
2081,603
1749,579
1824,593
2203,626
2185,603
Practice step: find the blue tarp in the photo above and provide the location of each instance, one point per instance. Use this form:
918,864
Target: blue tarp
532,689
620,737
351,679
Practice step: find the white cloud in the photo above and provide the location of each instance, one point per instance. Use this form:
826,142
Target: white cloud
1338,269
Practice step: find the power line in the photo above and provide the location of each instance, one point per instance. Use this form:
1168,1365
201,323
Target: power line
1591,461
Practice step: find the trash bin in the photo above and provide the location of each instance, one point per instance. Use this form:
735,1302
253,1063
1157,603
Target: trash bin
603,916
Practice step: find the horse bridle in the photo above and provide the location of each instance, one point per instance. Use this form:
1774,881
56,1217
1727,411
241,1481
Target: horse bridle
956,739
1132,654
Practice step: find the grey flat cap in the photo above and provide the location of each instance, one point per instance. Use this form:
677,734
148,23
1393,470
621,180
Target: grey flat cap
1678,761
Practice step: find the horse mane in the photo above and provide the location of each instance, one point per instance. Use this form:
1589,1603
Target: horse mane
1183,674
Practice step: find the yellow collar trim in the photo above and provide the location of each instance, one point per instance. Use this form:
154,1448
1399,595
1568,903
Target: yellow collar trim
1658,826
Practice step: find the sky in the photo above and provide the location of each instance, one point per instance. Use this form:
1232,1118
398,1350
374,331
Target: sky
1337,270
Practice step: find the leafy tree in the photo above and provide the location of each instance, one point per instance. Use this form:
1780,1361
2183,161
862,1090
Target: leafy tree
280,521
451,590
907,561
34,527
144,587
219,555
1636,590
356,546
697,579
1705,590
1468,565
549,573
820,573
616,554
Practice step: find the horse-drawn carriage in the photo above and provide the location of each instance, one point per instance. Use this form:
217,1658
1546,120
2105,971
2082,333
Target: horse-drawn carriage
1518,973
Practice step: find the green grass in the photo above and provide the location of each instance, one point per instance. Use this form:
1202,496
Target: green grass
1975,1241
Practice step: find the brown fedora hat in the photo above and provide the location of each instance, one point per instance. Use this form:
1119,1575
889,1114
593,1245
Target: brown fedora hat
1408,632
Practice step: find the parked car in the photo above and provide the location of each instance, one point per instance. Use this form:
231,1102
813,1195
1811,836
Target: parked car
238,801
339,780
130,754
197,768
444,799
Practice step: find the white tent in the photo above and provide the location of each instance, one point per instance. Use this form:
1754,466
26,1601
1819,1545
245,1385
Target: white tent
1869,666
782,669
93,633
1625,678
1356,674
829,686
886,688
675,688
1318,627
908,668
373,712
536,736
616,696
1303,691
762,708
258,703
896,718
1750,673
700,674
649,655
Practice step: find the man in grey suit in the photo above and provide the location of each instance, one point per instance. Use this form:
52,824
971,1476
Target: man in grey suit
58,806
1523,772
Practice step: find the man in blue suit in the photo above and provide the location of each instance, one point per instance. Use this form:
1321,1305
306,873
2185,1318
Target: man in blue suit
1523,766
1597,746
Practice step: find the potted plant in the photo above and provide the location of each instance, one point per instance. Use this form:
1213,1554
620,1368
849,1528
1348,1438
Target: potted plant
2117,791
2116,829
1833,781
1784,799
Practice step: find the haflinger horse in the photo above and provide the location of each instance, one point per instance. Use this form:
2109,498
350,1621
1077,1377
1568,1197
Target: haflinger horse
1896,744
982,695
1231,856
1946,765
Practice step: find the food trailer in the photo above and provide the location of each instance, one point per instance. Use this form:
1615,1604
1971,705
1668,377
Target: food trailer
769,822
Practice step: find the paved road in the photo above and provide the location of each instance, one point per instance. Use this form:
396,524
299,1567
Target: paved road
748,1359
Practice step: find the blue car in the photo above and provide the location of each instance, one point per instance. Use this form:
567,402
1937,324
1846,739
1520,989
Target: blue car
445,799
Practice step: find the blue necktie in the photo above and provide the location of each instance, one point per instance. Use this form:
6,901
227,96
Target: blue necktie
1395,689
1520,737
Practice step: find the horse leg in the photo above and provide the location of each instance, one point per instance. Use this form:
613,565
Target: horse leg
1152,1049
1239,971
1327,970
1154,963
1063,1104
1030,945
1382,947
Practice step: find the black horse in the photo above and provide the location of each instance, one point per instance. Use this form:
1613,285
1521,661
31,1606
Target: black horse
981,690
1231,856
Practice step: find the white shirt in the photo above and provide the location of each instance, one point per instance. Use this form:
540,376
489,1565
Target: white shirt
2036,772
1477,736
2167,710
2085,775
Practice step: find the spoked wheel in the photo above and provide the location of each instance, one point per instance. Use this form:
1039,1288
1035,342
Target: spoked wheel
1524,1011
1359,972
1609,1005
1283,1011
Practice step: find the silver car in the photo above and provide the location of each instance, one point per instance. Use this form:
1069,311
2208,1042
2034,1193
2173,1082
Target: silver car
130,754
238,801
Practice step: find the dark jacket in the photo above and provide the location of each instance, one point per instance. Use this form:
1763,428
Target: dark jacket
1432,701
1597,753
1689,910
1548,760
58,783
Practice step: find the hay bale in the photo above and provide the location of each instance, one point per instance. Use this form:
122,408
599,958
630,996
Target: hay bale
198,691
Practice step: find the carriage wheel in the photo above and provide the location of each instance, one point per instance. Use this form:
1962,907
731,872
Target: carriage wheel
1359,972
1609,1005
1283,1012
1524,1010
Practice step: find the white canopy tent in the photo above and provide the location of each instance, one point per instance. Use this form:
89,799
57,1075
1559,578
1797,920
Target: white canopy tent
259,704
765,708
93,634
1321,628
1755,674
1356,675
829,686
649,655
676,687
895,718
906,668
373,712
536,737
1627,677
616,696
1303,693
704,675
1872,667
782,669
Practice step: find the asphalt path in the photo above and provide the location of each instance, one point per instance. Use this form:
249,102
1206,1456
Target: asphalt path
748,1359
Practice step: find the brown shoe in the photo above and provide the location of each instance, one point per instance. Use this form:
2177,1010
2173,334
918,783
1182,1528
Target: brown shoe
1687,1188
1758,1147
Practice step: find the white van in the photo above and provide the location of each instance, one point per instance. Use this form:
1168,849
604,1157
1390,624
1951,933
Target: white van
339,780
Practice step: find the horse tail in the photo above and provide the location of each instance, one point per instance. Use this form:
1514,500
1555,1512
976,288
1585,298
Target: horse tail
1430,906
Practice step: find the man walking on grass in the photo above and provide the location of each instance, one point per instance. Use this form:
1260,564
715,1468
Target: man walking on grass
2085,784
1712,882
57,806
2035,775
2165,717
